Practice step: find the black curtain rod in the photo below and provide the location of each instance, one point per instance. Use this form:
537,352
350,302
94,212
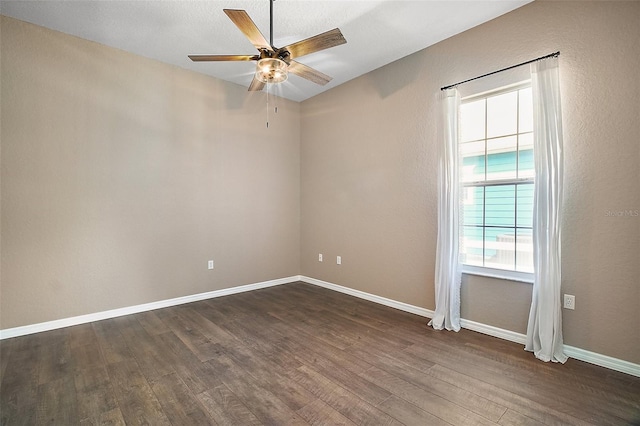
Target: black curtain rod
551,55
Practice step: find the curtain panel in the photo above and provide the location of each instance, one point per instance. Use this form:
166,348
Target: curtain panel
544,331
447,268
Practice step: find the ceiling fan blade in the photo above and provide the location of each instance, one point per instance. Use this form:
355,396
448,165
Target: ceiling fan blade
316,43
248,27
256,85
200,58
304,71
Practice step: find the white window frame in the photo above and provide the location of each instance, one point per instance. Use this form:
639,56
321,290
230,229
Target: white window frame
518,276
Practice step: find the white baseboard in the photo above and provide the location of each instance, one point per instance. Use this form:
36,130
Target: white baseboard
490,330
512,336
573,352
98,316
370,297
603,360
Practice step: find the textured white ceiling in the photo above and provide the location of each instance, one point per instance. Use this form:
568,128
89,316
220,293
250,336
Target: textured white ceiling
377,32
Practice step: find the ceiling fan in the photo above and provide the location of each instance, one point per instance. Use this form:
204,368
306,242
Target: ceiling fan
274,63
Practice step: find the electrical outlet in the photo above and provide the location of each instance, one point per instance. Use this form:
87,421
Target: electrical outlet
569,301
339,260
319,257
210,264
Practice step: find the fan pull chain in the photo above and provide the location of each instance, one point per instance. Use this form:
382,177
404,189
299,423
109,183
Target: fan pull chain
275,104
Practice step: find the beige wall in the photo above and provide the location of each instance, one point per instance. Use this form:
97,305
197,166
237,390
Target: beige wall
122,176
368,161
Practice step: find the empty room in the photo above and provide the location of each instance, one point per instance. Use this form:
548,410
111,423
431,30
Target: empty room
259,212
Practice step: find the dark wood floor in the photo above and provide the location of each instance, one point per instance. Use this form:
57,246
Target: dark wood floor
295,354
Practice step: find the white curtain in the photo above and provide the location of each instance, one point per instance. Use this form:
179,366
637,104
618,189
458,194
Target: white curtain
448,270
544,331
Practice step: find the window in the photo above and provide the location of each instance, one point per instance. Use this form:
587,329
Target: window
497,174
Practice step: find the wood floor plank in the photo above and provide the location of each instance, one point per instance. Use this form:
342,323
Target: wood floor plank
57,402
300,354
50,337
205,326
408,413
534,410
296,321
266,406
551,376
136,400
112,344
319,413
197,376
442,346
513,418
340,399
151,323
151,360
226,408
207,310
368,390
427,401
468,400
263,340
270,375
5,353
55,361
361,316
299,338
369,314
523,383
95,395
300,317
86,356
224,309
266,343
111,418
199,344
19,387
178,402
363,333
82,335
444,355
350,318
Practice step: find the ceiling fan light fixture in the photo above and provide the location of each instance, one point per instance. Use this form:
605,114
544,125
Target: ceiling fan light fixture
271,70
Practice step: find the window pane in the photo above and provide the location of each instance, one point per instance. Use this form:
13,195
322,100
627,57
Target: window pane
471,246
500,205
502,115
473,205
500,248
525,205
501,158
496,207
524,247
472,121
472,154
525,156
525,111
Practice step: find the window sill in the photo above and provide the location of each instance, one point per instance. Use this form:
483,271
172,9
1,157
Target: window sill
523,277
